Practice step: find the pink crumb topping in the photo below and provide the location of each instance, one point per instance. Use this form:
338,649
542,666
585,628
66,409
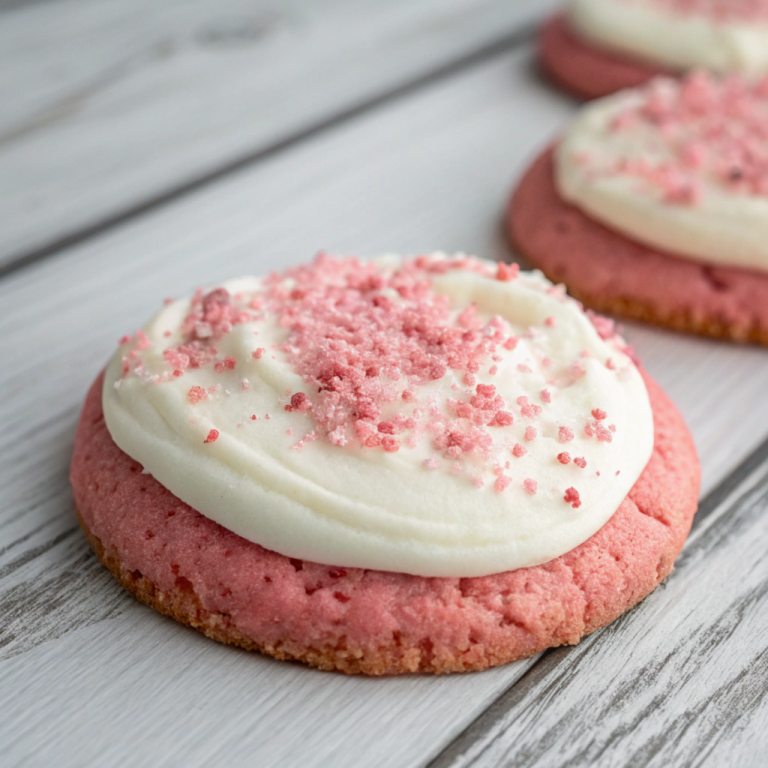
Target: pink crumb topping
507,272
714,128
196,394
564,457
213,436
721,11
530,485
365,339
502,483
573,498
580,462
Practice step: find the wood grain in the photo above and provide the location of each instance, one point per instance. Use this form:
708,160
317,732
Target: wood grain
681,680
87,672
107,106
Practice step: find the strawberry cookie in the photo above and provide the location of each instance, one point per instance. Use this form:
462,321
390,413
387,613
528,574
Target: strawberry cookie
597,47
435,464
654,205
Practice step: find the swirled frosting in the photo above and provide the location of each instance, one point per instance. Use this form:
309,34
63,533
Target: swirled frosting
438,416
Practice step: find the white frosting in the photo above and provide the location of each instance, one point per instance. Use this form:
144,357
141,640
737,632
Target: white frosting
723,227
677,40
358,507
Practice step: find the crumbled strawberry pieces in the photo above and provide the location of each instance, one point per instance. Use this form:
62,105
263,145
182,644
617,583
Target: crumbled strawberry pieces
599,414
713,128
564,457
142,341
530,433
502,419
580,462
390,444
530,485
213,436
124,340
196,394
546,396
519,450
529,410
507,272
227,364
257,354
573,498
565,434
502,483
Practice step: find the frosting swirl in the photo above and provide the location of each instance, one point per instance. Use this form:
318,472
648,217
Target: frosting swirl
439,416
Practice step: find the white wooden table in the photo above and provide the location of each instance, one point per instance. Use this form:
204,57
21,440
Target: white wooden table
147,148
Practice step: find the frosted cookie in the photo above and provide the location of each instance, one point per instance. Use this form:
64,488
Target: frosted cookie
597,47
435,464
654,205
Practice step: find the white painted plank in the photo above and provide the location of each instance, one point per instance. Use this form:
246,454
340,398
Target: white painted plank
430,172
107,104
142,690
680,681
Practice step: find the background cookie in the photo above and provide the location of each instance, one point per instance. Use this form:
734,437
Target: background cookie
583,70
610,273
374,622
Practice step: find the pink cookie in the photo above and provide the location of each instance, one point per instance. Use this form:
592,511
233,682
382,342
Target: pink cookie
583,70
611,273
354,620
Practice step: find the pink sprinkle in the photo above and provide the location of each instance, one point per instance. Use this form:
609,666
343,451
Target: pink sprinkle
493,370
565,434
550,322
511,343
503,418
213,436
390,444
580,462
530,485
564,457
530,433
599,414
196,394
124,339
573,498
507,272
256,354
299,402
546,396
431,463
519,450
227,364
142,342
502,483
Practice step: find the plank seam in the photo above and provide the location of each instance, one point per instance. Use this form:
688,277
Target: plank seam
504,44
484,722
